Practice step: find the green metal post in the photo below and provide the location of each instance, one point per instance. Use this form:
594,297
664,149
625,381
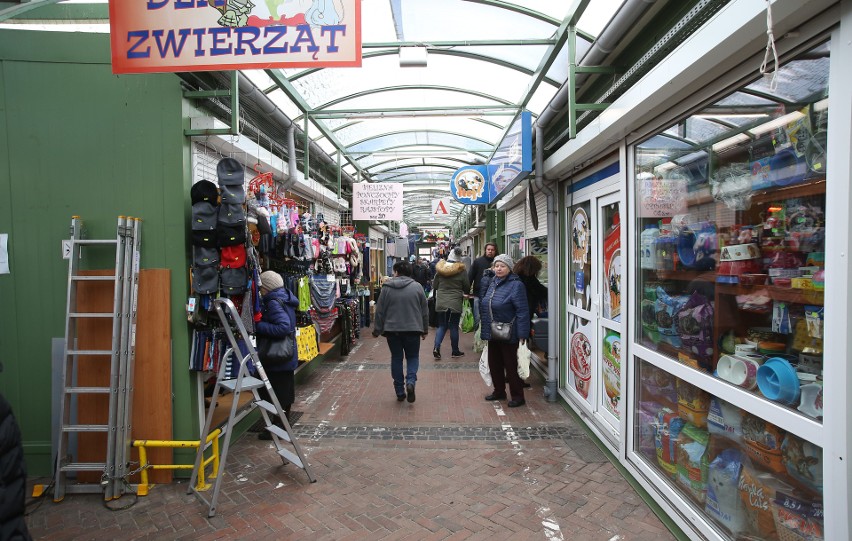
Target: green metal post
572,82
339,175
235,103
307,150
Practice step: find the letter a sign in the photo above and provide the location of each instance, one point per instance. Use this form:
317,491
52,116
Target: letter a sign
440,207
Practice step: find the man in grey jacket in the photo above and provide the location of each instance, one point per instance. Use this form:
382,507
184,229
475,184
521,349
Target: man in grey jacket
402,317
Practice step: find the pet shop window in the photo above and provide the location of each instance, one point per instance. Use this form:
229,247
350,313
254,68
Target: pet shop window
730,267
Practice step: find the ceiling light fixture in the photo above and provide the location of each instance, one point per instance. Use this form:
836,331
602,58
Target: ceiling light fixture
412,57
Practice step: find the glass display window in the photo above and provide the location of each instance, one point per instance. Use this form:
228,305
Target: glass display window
749,478
731,236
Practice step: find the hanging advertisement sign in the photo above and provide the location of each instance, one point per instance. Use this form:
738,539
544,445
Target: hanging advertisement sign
441,207
434,235
512,161
470,185
210,35
377,201
510,164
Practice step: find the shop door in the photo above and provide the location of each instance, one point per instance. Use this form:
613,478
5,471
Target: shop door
594,310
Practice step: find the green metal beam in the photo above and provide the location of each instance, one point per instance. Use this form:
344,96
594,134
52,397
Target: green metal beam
400,132
51,11
518,9
457,43
234,93
424,164
562,34
449,52
490,110
297,98
20,9
481,152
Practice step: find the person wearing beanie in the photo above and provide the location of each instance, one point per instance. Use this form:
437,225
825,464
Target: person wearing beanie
450,285
278,321
402,317
505,301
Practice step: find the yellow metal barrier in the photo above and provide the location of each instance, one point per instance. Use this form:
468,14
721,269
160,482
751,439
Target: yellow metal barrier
144,466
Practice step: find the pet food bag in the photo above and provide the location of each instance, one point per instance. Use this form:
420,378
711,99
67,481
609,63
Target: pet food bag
803,461
666,308
694,323
646,427
725,420
724,503
797,519
692,461
668,427
757,491
693,404
659,384
763,443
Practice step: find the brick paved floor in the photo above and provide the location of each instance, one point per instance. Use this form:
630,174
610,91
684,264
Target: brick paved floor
451,466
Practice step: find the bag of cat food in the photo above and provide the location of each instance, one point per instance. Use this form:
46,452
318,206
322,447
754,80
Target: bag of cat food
803,461
763,443
693,404
725,420
724,503
692,461
757,491
668,426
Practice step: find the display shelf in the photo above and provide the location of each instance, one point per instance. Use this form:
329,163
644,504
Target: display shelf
683,275
813,186
776,293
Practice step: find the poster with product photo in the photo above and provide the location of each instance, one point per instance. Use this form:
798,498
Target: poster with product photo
580,376
611,372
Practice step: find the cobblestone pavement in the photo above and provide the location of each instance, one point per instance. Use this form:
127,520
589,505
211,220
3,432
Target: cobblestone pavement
450,466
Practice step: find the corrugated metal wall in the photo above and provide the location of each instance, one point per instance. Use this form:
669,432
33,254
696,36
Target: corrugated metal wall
541,208
515,217
103,146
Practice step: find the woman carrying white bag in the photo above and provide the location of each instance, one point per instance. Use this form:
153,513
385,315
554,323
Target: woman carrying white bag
505,320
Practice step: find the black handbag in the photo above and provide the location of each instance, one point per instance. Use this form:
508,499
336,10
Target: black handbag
433,315
275,351
500,331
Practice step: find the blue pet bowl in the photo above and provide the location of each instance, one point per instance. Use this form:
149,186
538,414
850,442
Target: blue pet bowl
777,380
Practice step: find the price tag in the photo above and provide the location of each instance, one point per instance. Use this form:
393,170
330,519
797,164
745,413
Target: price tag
298,332
330,277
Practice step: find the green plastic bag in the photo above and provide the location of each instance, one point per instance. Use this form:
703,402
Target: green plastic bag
467,324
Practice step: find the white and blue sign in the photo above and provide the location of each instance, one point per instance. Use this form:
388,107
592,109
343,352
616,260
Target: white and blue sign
470,185
510,164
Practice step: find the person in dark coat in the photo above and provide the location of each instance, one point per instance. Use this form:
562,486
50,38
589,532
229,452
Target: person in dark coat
451,285
13,477
479,266
505,301
278,320
402,318
527,269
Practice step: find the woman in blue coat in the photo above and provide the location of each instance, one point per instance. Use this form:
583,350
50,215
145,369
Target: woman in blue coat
278,320
505,300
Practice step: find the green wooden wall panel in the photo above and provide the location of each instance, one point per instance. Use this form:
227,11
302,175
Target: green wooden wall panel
77,139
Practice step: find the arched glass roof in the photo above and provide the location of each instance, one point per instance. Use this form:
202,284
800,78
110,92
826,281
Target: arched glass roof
486,61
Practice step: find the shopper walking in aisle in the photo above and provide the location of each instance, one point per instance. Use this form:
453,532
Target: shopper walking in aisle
505,301
451,283
480,264
278,321
527,269
403,319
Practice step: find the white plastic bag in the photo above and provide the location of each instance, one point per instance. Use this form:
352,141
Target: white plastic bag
523,360
484,371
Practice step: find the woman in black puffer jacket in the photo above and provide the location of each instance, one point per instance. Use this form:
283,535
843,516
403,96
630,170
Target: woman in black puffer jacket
13,478
505,300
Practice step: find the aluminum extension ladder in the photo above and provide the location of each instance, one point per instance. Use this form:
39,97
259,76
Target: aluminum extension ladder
118,360
282,438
